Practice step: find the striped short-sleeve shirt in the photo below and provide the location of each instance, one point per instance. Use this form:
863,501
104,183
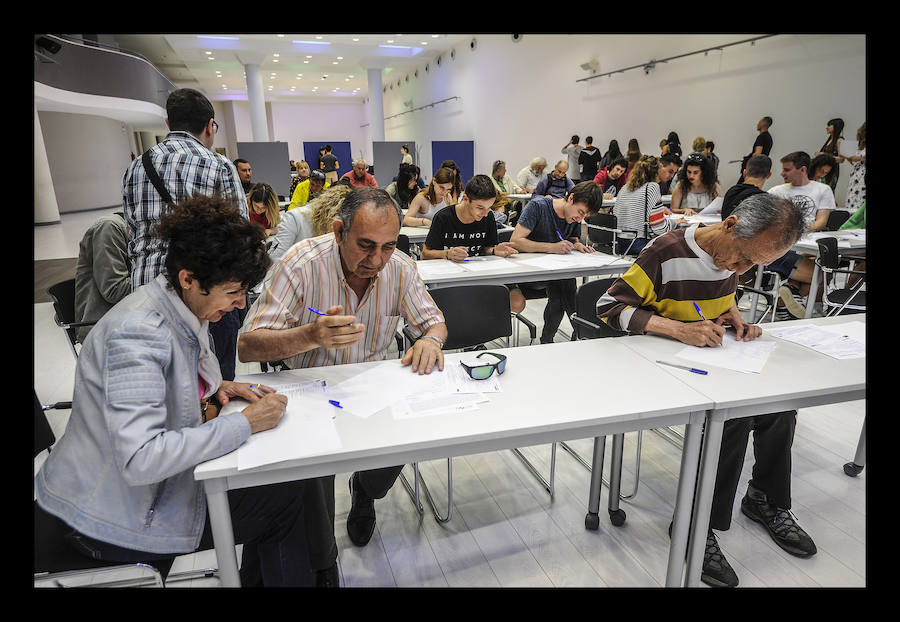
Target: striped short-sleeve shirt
670,274
309,274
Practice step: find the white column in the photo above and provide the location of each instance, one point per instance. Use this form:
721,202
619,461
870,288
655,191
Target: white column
376,104
46,209
257,102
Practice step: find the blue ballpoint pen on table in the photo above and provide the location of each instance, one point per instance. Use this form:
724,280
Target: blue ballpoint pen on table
335,403
702,372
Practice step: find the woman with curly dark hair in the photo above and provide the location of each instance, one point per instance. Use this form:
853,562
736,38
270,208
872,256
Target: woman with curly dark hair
147,385
697,186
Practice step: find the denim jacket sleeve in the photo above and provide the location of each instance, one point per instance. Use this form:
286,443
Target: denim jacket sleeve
152,422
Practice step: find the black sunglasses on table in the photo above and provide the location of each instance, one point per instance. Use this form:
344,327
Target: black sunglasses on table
483,372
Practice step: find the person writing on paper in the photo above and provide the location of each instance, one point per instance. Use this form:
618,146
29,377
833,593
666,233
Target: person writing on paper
467,229
696,187
701,265
550,225
430,201
364,288
121,477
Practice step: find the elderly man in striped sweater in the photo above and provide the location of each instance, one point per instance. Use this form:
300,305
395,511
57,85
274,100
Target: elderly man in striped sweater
701,264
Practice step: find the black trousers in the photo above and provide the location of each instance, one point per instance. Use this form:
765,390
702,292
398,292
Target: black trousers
773,437
560,300
267,520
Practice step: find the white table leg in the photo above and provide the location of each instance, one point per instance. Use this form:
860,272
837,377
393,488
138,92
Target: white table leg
690,460
222,531
709,465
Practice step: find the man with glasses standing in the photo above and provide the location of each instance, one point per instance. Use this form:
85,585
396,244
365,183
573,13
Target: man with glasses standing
181,166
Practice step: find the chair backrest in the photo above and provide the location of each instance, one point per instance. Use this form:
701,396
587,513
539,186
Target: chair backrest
829,258
403,243
504,236
600,236
586,308
63,295
836,218
474,314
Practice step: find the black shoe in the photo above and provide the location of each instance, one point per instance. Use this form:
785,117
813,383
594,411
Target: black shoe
717,572
328,577
361,519
780,523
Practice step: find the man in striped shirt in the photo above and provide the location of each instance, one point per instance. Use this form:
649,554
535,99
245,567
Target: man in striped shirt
657,295
186,165
364,288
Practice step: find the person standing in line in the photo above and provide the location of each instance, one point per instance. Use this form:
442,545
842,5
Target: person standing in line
612,153
330,165
761,146
572,151
832,146
856,189
589,160
406,157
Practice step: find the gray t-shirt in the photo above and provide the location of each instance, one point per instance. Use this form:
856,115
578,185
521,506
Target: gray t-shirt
540,217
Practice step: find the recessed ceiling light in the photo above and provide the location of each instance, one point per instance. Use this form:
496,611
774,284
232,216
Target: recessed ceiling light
312,42
435,36
217,37
356,38
346,79
390,40
318,36
276,54
340,58
210,58
306,62
351,75
207,52
274,60
424,42
308,56
334,62
279,35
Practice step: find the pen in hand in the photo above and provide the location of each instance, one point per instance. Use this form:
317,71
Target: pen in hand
703,317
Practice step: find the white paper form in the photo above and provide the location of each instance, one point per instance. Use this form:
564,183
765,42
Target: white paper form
307,429
431,404
390,382
431,268
742,356
481,264
841,341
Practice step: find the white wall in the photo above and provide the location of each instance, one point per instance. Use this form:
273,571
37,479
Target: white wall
304,122
520,100
87,156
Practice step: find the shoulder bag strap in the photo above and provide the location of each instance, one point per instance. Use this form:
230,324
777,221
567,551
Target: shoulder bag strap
154,178
646,215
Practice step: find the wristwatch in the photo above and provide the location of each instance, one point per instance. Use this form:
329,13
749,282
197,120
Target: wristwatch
438,339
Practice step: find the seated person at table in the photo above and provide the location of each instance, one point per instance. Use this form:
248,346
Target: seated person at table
310,220
467,229
143,414
262,204
755,174
502,181
364,288
404,188
308,189
102,272
668,167
815,200
359,176
611,179
550,225
638,208
656,295
529,176
302,175
697,186
821,166
556,184
431,200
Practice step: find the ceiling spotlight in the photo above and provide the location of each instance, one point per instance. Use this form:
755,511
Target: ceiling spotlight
592,65
207,52
210,58
356,38
276,54
279,35
274,60
435,36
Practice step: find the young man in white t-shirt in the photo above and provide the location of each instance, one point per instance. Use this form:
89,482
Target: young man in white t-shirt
815,200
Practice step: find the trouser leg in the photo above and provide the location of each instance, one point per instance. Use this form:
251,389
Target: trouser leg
377,482
560,300
318,516
735,435
773,437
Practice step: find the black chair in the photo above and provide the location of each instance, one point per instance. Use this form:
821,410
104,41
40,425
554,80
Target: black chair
57,564
63,295
836,218
603,233
475,315
504,236
403,243
585,324
835,299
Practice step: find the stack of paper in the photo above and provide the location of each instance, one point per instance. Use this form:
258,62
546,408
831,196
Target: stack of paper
437,267
841,341
743,356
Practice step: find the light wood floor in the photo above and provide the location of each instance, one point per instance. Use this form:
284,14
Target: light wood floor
505,531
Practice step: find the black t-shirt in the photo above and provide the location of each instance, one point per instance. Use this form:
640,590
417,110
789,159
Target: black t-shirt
735,195
448,231
590,162
328,162
764,140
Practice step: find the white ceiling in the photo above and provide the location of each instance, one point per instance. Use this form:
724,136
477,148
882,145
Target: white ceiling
295,67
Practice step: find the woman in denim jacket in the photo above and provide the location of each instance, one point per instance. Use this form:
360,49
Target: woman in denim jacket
147,385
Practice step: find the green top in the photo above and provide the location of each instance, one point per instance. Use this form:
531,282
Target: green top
857,219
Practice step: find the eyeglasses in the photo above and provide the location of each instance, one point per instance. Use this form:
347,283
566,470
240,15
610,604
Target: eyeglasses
483,372
215,127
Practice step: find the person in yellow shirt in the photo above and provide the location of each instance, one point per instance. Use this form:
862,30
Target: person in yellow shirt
308,189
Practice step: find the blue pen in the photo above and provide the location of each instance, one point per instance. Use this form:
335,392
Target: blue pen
699,312
562,239
335,403
702,372
316,311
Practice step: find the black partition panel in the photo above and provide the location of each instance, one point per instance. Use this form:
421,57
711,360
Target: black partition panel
386,158
270,162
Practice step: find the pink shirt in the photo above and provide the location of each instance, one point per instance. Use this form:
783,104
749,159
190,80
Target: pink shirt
368,180
310,275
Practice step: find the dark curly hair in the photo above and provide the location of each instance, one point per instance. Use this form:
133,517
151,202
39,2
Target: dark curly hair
708,177
211,238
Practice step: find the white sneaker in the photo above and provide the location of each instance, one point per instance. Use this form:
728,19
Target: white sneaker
791,299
